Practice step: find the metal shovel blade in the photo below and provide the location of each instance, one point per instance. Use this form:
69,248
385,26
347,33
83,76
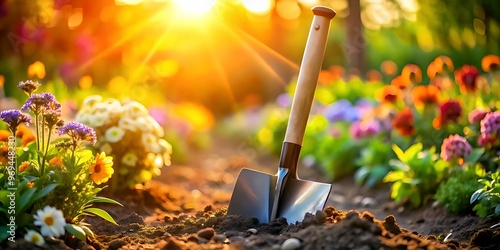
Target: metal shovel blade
253,195
300,197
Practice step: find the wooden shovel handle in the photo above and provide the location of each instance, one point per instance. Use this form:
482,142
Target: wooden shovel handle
308,74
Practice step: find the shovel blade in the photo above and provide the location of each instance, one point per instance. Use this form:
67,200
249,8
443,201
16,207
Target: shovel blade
253,195
300,197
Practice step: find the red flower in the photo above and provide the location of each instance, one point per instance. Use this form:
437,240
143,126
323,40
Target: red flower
449,111
466,77
389,94
403,122
425,95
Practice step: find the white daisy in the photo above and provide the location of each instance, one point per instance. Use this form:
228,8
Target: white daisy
130,159
157,129
150,143
51,221
114,134
127,123
35,237
135,109
98,119
143,124
90,101
106,148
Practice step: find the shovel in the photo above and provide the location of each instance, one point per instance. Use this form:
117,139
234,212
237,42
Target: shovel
264,196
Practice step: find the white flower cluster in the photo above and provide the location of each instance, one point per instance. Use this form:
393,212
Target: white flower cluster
127,132
51,222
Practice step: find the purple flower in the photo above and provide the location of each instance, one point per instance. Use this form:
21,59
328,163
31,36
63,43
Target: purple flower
39,102
455,147
14,117
78,132
341,110
362,129
28,86
284,100
490,128
476,115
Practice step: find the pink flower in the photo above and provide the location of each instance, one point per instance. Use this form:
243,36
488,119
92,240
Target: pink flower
455,147
361,129
490,128
476,115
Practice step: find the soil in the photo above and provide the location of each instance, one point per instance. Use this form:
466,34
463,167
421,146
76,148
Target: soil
185,208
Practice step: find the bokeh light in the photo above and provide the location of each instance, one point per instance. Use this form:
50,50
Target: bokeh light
259,7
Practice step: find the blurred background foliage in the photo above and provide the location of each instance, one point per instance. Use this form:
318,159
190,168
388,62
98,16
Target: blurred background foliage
226,54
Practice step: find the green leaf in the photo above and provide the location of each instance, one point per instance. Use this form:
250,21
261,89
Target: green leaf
394,176
415,199
101,213
87,231
75,230
24,200
45,191
475,195
497,210
399,153
104,200
474,155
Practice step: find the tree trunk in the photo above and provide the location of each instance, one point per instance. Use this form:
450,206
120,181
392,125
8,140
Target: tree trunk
354,46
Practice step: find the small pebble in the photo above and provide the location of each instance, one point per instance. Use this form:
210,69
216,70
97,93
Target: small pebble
252,231
290,244
219,238
206,233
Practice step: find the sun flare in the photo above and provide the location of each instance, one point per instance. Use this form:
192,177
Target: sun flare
194,7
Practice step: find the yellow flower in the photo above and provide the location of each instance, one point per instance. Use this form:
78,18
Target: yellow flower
102,168
37,69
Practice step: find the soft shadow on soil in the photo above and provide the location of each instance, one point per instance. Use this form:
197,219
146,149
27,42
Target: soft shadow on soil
185,208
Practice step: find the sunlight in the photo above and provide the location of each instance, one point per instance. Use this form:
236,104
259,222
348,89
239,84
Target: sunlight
259,7
194,7
127,2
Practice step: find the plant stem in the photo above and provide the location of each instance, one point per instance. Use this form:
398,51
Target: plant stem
37,131
46,152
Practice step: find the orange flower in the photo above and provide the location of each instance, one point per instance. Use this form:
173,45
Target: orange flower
56,162
400,83
325,77
466,77
449,111
337,72
411,73
23,166
102,168
403,122
37,69
4,155
4,135
27,139
425,95
389,94
490,63
443,64
432,70
389,67
373,76
31,184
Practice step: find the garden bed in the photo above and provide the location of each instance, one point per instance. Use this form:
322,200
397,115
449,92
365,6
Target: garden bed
184,208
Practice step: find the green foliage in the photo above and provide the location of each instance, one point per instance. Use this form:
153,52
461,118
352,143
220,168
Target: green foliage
373,162
455,193
487,198
417,174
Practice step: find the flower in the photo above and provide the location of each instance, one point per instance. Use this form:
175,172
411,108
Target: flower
443,64
449,111
455,147
341,110
102,168
476,115
24,165
4,135
37,69
284,100
34,237
425,96
127,123
51,221
490,129
490,63
28,86
130,159
361,129
411,73
114,134
78,132
56,161
389,67
14,117
400,83
106,148
403,122
53,119
90,101
466,78
389,94
39,102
